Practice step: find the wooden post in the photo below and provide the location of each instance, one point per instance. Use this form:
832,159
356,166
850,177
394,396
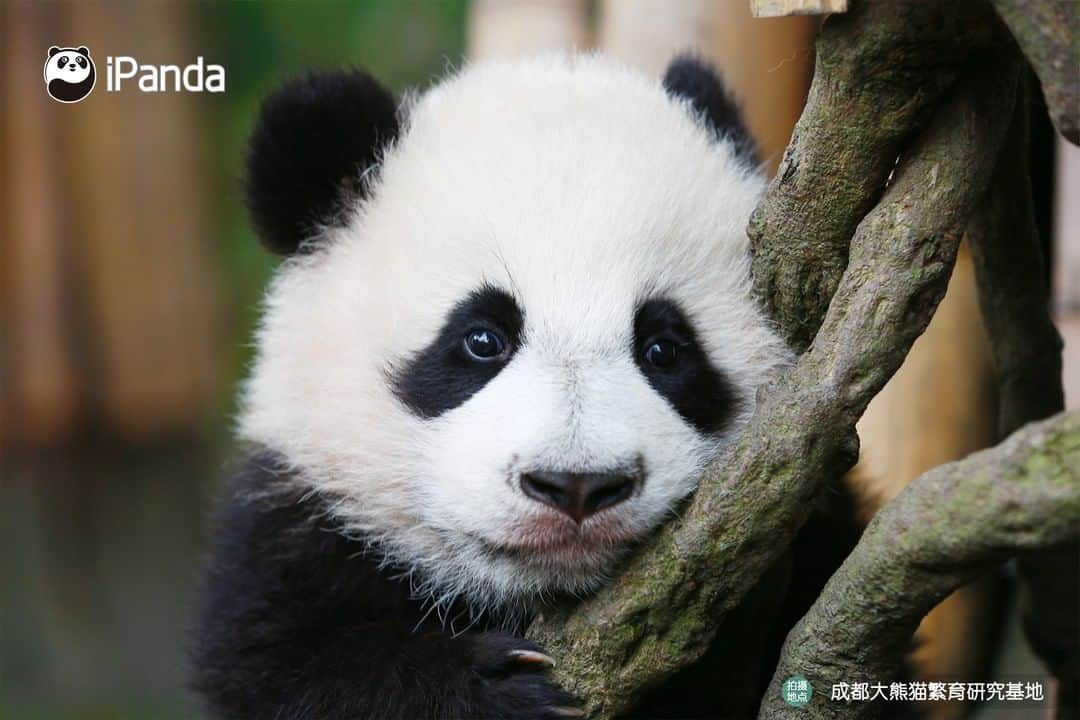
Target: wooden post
1067,264
777,8
39,384
508,28
766,65
648,35
144,242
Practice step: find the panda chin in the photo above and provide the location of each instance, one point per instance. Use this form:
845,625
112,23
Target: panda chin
540,566
555,537
529,580
491,577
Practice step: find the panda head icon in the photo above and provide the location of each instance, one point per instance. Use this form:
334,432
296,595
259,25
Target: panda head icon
69,73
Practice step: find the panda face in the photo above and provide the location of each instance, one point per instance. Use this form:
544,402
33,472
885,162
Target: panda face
68,64
513,360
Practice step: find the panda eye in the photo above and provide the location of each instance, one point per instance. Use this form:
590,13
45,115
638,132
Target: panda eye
62,60
661,352
81,61
484,345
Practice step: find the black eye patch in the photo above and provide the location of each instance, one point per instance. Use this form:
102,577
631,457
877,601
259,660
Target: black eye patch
697,390
445,374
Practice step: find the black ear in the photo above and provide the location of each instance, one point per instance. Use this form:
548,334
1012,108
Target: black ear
312,143
83,50
696,80
53,50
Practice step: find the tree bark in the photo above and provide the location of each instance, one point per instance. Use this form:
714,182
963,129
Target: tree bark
954,522
1027,357
880,71
1047,31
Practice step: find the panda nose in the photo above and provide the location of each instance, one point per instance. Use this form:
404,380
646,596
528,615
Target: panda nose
579,495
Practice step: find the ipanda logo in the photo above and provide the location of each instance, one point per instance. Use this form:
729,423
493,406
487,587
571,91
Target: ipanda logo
70,75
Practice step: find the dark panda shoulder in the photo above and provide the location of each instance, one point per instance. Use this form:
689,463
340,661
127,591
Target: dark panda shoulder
298,621
273,536
279,583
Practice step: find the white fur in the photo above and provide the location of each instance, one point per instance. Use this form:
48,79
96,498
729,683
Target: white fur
581,188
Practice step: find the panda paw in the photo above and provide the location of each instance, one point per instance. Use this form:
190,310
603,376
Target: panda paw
513,676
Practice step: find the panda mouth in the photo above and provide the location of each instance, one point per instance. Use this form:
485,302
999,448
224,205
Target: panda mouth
558,536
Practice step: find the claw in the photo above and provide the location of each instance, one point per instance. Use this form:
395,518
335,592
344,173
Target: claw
531,656
568,712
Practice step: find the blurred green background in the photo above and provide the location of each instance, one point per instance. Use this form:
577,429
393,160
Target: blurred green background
104,491
403,43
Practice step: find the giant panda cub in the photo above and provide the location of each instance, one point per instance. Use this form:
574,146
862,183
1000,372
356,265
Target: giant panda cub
513,324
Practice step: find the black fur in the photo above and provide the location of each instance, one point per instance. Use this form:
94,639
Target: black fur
298,622
697,390
696,80
68,92
442,376
313,141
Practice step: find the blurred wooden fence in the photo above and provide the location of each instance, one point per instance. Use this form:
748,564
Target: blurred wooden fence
110,314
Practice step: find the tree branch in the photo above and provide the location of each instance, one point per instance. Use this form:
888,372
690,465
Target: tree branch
663,610
961,519
880,70
1027,348
1013,294
1020,496
1048,32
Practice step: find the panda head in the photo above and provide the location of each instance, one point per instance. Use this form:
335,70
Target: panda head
514,321
69,73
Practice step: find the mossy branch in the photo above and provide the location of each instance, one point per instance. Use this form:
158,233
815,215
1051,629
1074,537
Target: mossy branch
1026,347
960,520
880,71
952,523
